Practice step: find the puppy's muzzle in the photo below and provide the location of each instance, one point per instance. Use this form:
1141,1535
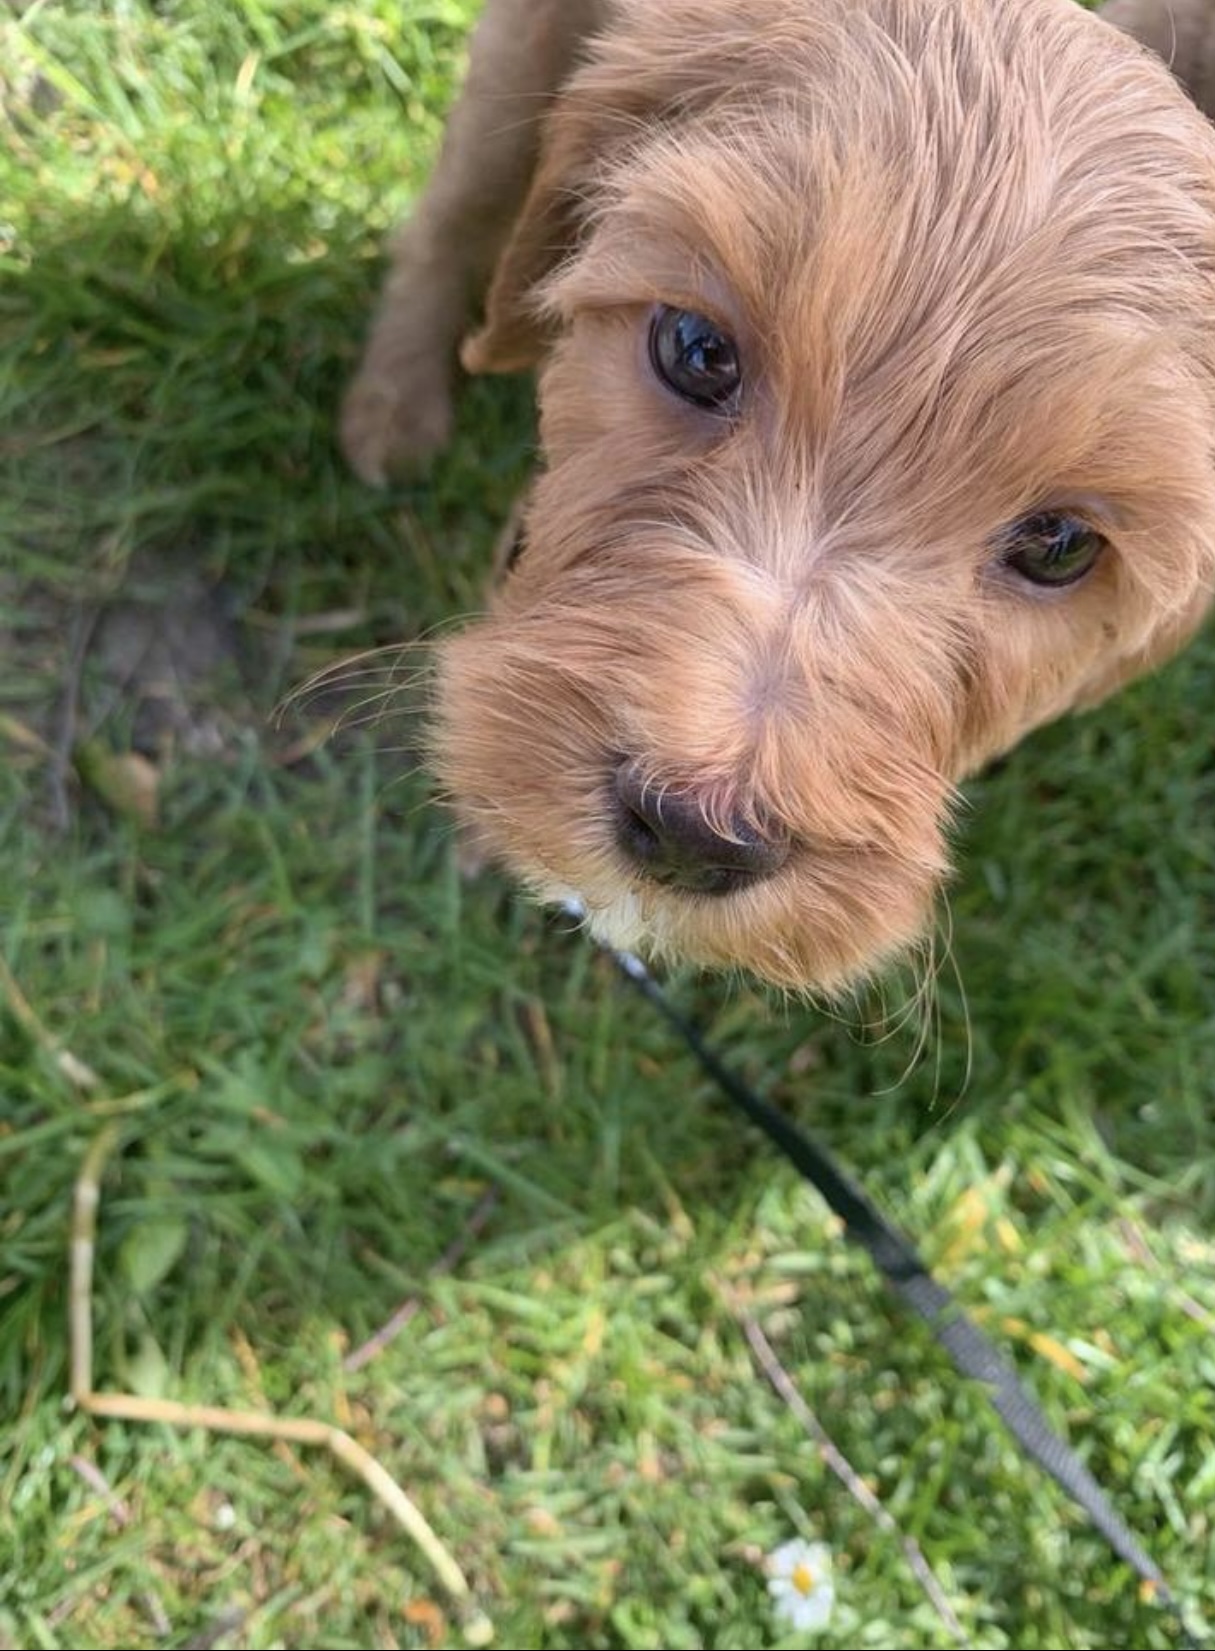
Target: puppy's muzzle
667,835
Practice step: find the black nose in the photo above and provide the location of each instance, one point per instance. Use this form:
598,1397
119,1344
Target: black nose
665,834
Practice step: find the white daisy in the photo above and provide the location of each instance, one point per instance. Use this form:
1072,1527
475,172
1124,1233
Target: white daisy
799,1580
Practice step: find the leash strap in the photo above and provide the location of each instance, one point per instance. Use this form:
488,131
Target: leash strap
900,1264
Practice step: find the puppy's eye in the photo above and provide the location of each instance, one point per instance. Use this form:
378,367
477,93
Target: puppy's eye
693,357
1052,549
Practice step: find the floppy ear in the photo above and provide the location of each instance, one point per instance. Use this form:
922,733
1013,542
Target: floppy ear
628,79
1182,32
514,333
635,74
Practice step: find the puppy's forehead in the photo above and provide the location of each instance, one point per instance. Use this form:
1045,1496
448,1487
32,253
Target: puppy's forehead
937,218
916,151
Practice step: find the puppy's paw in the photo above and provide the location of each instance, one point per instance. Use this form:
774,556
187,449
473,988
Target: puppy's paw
392,424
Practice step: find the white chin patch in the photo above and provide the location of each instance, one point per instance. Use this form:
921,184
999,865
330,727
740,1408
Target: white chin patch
618,924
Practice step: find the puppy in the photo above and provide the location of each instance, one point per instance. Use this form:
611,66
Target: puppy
876,349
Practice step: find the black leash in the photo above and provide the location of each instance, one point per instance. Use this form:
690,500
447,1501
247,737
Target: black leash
900,1264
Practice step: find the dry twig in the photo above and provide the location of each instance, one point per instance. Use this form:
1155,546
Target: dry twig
839,1464
301,1430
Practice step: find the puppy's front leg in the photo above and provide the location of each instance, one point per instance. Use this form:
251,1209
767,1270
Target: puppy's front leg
398,409
1182,32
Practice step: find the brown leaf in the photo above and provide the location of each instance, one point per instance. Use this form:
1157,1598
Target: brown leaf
124,780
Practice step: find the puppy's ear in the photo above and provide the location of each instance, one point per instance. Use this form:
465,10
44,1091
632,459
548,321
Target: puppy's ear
514,333
633,75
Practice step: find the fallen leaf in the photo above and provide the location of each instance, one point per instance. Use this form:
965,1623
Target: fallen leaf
124,780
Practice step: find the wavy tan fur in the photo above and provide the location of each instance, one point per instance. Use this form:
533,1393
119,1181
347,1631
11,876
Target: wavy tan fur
967,251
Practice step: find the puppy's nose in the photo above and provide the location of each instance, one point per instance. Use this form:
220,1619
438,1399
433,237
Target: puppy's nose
666,835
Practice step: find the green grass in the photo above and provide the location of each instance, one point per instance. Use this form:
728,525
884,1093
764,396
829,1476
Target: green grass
323,1047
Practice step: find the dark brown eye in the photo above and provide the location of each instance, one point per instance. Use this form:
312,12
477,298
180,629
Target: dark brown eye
693,357
1052,549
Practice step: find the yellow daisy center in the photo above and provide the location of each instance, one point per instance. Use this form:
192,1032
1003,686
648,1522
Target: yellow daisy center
803,1579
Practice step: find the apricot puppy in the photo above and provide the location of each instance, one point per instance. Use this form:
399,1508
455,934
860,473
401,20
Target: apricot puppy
876,350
